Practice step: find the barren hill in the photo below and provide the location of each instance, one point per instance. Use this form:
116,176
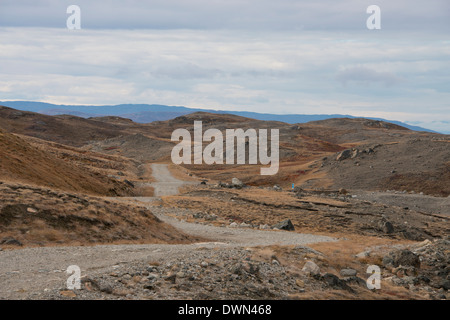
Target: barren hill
20,161
308,151
135,146
401,159
35,216
416,164
358,130
66,129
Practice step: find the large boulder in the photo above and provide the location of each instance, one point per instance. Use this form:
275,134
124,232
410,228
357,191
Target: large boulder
235,182
285,225
405,258
386,226
311,268
344,155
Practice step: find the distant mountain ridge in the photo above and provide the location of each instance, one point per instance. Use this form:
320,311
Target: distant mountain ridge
146,113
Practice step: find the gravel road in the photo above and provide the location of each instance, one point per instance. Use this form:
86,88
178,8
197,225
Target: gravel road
28,273
165,184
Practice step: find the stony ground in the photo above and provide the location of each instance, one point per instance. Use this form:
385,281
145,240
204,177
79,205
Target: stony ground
293,272
245,256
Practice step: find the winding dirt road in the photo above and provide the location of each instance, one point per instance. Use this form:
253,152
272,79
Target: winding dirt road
165,184
27,273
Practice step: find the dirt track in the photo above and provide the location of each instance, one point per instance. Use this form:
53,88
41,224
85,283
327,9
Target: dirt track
165,184
27,273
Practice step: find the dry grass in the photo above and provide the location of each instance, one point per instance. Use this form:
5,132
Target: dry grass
336,256
181,173
42,217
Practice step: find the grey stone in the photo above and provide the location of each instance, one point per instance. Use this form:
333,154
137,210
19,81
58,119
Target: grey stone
334,282
355,280
152,276
11,241
131,184
171,278
445,285
285,225
106,288
348,272
311,268
235,182
388,261
386,226
344,155
245,225
406,258
364,254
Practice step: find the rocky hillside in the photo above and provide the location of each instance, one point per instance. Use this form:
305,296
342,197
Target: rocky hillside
22,162
36,216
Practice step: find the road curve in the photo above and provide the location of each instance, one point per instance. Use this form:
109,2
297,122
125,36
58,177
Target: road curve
26,273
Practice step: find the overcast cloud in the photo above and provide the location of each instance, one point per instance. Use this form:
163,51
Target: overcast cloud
264,56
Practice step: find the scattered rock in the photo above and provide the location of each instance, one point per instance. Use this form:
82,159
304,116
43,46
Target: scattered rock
311,268
245,225
68,293
445,285
131,184
386,226
362,255
388,261
300,283
334,282
355,153
236,183
11,241
348,272
106,288
355,280
171,278
344,155
277,188
405,258
285,225
31,210
250,267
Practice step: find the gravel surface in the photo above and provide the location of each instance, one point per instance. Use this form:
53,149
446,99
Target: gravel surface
420,202
165,184
32,273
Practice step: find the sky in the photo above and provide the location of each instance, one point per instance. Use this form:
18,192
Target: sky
285,56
